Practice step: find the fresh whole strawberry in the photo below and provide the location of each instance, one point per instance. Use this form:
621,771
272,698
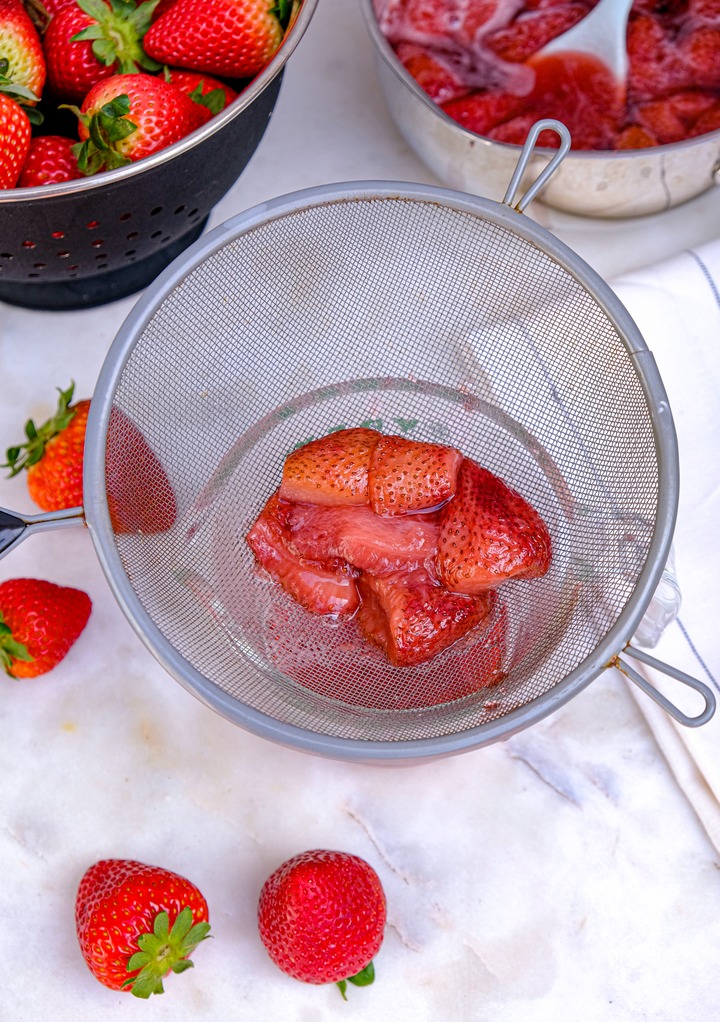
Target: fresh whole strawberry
52,454
140,498
229,38
49,161
22,61
210,94
321,917
488,534
91,40
331,470
136,924
128,117
39,622
15,136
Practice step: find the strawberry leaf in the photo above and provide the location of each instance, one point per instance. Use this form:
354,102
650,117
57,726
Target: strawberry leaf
11,649
214,100
164,950
363,978
37,437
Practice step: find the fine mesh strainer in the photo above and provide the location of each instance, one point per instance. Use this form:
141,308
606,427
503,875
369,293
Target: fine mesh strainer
418,311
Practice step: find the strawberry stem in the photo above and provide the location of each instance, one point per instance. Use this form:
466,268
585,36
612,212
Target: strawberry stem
27,454
117,31
361,979
162,951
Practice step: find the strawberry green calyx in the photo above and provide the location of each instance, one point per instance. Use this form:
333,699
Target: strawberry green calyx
108,126
11,649
37,437
117,32
22,95
164,950
363,978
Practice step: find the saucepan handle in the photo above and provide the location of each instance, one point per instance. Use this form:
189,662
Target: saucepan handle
702,718
14,527
527,151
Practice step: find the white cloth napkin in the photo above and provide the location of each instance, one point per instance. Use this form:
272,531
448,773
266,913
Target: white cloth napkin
676,305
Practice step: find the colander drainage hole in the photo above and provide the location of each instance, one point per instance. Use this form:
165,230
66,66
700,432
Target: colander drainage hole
180,209
92,224
57,235
28,244
131,235
156,234
154,212
125,216
7,255
98,243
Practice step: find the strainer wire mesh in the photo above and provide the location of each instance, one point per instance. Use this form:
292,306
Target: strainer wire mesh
386,311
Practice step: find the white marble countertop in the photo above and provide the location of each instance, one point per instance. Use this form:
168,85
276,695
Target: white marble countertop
561,875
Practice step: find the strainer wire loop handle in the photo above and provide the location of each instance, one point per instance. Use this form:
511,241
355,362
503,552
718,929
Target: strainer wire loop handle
547,172
15,527
710,702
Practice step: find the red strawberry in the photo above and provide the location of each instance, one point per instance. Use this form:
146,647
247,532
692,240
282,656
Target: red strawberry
209,94
408,475
127,117
139,495
412,618
91,40
21,55
321,917
530,31
701,50
635,137
430,72
136,923
480,111
230,38
342,665
321,588
656,65
49,161
39,622
15,135
707,121
331,470
360,538
489,533
52,454
140,498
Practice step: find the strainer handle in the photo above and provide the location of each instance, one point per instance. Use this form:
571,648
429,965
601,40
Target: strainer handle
15,527
527,151
660,699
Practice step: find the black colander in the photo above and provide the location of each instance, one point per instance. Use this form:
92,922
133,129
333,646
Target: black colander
94,240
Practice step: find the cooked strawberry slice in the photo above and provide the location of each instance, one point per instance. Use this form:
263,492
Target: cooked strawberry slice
488,534
412,618
430,72
331,470
361,538
320,588
481,111
408,475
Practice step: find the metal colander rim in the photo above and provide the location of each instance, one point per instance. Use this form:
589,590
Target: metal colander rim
98,518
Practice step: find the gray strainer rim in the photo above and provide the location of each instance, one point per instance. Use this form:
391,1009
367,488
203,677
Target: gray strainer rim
98,518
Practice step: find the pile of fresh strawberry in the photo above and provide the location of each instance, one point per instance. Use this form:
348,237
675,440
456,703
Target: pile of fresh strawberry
410,539
92,85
